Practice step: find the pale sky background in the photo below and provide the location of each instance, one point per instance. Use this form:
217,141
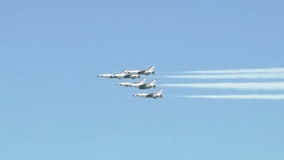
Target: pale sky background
53,107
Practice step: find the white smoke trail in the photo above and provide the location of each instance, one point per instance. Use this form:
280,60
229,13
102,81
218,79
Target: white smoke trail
230,76
238,86
238,71
253,97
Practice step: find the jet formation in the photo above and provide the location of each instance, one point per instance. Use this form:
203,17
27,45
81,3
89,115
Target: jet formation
132,74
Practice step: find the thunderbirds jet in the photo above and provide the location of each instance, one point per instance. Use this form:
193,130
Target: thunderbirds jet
121,75
148,71
130,84
150,95
140,85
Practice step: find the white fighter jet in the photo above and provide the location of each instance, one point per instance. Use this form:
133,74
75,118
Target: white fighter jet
150,95
121,75
130,84
150,70
140,85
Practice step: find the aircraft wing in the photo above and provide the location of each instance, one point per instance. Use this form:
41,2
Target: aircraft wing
150,95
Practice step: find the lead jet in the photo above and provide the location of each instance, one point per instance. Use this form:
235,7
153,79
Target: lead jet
130,84
121,75
140,85
150,70
150,95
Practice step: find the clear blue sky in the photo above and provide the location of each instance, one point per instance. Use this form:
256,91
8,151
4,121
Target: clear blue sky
53,107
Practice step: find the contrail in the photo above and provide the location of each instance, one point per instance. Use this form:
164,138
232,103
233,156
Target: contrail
253,96
238,86
230,76
237,71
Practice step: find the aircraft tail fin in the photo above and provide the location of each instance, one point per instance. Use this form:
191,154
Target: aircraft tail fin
151,69
153,82
160,92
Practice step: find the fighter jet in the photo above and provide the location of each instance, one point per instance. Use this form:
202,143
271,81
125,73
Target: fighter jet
121,75
140,85
130,84
150,95
150,70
